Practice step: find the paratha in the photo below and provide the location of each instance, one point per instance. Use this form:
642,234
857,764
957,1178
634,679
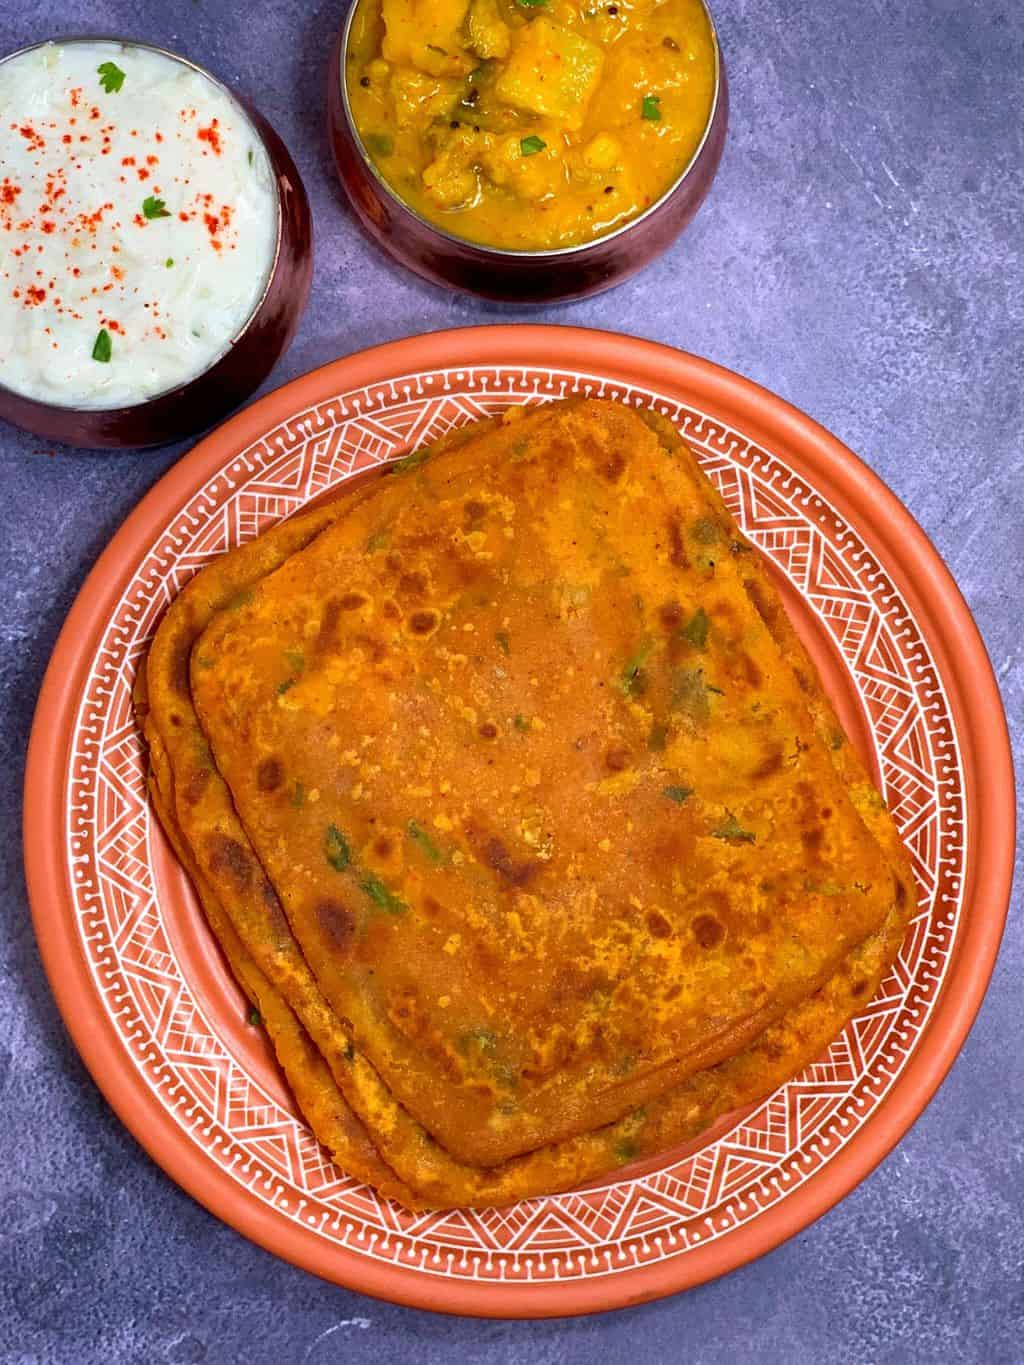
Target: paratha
437,1177
541,797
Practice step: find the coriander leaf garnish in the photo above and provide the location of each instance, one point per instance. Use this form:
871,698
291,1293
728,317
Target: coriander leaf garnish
530,146
504,643
733,832
411,461
422,839
522,724
336,849
382,895
111,77
298,797
286,686
631,679
658,737
154,208
532,4
255,1018
169,262
103,347
650,109
696,630
378,541
677,794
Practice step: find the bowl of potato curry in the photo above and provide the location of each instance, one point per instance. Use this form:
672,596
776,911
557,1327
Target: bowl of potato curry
527,149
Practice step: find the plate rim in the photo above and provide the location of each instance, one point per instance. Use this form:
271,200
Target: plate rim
908,558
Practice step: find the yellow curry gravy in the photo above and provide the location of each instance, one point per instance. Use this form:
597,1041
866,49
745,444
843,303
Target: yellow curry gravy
530,124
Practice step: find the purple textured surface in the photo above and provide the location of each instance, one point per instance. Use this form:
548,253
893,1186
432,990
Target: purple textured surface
861,254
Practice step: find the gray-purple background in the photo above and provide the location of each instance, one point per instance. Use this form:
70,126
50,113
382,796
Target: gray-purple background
861,254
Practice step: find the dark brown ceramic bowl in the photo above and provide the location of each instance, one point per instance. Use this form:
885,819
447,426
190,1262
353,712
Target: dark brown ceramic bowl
254,350
518,276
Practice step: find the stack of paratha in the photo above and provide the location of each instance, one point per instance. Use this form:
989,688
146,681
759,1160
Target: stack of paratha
518,810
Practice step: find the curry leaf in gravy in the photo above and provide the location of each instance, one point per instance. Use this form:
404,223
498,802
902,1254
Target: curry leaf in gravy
530,146
336,848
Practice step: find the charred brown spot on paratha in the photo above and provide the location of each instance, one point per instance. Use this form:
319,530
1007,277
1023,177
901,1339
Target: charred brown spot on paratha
196,785
676,543
181,656
413,586
390,610
488,730
270,774
657,925
858,987
474,512
708,931
227,857
327,635
770,764
613,466
670,614
812,839
352,601
517,872
424,623
616,760
337,923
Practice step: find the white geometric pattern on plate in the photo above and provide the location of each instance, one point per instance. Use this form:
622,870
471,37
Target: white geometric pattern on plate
624,1223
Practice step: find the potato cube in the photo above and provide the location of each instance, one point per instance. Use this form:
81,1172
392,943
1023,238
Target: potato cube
489,35
551,72
426,34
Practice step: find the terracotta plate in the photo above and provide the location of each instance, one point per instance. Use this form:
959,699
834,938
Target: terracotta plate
161,1025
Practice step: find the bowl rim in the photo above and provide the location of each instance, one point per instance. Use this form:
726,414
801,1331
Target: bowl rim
509,253
253,122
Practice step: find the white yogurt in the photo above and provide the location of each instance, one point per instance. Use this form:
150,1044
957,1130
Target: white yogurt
138,223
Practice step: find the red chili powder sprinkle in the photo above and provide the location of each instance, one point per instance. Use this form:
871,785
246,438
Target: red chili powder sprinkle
34,296
9,191
212,136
